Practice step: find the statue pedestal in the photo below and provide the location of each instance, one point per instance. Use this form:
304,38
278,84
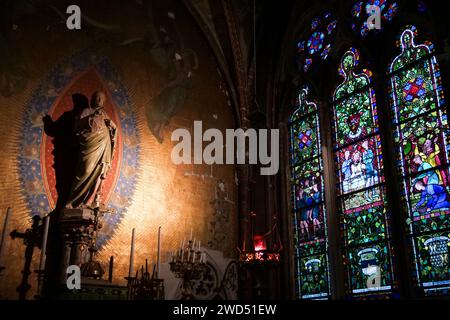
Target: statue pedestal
78,228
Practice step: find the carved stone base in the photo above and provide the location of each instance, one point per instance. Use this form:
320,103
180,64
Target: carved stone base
78,228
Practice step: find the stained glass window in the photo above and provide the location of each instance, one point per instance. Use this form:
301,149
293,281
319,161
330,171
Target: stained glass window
361,188
421,136
312,273
317,44
360,14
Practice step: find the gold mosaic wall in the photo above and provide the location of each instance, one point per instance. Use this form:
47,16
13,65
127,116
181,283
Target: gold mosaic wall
177,198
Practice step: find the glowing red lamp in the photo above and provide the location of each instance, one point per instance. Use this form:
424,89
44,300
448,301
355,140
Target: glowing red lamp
259,243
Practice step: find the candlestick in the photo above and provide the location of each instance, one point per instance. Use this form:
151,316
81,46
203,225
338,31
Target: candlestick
111,266
158,261
46,223
4,231
131,270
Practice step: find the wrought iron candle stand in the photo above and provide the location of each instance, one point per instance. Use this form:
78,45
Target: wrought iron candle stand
188,264
145,286
259,255
32,237
3,242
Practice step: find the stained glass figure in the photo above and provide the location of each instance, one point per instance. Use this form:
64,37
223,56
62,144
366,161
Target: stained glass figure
421,137
318,43
363,210
312,273
360,14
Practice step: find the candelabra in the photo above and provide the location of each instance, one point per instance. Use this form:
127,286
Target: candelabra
188,264
144,286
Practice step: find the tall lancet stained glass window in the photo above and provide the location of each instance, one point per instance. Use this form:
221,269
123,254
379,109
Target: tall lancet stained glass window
361,187
421,135
312,273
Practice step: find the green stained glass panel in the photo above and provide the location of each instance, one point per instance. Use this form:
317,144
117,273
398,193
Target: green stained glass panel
370,269
314,276
305,144
414,91
355,117
365,225
434,266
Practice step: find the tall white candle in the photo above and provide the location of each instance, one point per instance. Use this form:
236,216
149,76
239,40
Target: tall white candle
158,261
131,270
4,231
46,223
191,234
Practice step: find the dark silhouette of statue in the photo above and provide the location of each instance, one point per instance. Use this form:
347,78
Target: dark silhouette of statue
65,148
96,135
83,140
